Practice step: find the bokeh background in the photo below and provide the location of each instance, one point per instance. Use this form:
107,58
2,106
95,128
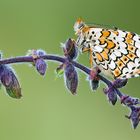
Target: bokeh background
47,110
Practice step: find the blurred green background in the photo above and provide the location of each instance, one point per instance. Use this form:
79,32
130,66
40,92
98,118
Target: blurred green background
47,111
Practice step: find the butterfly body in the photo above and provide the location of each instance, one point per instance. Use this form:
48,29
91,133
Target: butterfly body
114,51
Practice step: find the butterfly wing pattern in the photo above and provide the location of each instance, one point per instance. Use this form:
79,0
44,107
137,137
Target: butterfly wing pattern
114,51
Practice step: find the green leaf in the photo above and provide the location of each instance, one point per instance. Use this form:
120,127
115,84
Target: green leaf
14,93
60,71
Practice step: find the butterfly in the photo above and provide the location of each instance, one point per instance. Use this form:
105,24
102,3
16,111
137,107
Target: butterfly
114,51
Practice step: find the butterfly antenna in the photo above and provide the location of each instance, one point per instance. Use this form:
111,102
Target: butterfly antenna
102,25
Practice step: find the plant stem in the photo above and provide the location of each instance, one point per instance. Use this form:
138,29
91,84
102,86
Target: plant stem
26,59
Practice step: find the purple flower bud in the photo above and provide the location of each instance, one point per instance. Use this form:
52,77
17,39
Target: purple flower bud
41,66
39,62
111,95
94,79
10,81
129,101
134,116
71,78
119,83
40,52
70,49
94,84
36,53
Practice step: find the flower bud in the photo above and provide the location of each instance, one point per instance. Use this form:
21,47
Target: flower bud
40,52
10,82
70,49
94,79
94,84
119,83
111,95
134,116
71,78
129,101
41,66
36,53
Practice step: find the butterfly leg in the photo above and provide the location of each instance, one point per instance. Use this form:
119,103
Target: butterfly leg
91,58
94,70
85,49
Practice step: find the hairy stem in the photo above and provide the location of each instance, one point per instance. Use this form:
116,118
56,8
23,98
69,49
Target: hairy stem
83,68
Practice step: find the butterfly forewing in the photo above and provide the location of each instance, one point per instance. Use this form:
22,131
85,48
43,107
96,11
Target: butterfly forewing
115,50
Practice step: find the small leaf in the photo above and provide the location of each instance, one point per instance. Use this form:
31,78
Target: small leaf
60,70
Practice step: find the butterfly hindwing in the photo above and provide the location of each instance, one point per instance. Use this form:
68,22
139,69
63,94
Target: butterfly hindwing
118,53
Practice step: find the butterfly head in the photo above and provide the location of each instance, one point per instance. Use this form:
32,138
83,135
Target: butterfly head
79,25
